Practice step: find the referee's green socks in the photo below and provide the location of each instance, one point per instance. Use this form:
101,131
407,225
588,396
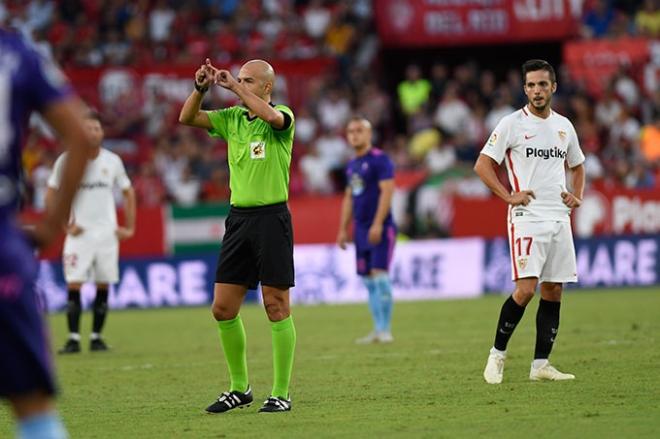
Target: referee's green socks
284,345
232,336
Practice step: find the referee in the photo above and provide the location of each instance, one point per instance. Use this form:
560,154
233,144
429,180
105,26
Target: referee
258,241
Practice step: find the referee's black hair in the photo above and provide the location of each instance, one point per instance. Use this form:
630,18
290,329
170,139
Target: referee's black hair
533,65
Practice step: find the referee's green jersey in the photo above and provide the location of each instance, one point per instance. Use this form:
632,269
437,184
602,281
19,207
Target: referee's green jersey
259,155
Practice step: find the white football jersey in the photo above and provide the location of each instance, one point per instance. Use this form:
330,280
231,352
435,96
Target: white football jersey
94,205
536,150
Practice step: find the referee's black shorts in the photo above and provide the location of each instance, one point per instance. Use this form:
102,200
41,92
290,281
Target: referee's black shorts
257,247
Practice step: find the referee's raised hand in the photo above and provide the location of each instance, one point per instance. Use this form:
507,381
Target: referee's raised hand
206,75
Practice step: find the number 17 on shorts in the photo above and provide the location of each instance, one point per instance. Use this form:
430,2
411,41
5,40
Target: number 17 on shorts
544,250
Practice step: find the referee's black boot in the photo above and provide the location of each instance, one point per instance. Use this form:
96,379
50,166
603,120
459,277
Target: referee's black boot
231,400
70,347
97,345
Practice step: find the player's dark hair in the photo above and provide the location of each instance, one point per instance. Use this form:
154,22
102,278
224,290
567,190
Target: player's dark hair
93,114
534,65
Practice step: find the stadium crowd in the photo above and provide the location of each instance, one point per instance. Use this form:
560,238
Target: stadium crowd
436,119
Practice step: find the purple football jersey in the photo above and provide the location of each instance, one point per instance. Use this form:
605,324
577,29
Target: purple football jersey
28,82
363,175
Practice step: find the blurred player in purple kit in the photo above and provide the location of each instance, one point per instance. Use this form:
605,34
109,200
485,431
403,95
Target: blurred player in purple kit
367,200
29,83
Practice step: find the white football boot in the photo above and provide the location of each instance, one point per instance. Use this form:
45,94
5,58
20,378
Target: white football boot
385,337
494,370
547,372
372,337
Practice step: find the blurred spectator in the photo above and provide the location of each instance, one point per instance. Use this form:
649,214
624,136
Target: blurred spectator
647,19
374,105
626,88
414,91
186,191
334,109
452,114
439,78
340,33
608,108
160,21
650,140
316,18
148,186
333,149
306,126
598,19
500,108
216,189
315,172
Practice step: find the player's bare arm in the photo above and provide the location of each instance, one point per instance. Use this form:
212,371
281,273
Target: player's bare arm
384,204
574,199
65,118
485,169
255,104
191,113
345,219
128,230
70,228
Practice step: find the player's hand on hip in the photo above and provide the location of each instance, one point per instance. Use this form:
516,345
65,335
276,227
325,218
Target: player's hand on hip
74,229
375,234
570,200
342,239
124,233
521,198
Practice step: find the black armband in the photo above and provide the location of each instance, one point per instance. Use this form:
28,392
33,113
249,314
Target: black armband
287,122
202,90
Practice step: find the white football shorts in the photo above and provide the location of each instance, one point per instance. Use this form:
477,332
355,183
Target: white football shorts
92,256
542,249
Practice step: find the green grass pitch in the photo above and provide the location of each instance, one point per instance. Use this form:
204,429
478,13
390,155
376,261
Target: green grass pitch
167,366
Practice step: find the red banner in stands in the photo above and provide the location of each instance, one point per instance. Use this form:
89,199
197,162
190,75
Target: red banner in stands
618,212
152,85
441,22
594,62
603,212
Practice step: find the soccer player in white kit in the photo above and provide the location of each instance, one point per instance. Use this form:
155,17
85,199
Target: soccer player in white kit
91,248
537,145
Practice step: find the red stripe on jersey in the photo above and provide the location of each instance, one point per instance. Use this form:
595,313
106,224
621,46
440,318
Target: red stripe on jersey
513,251
523,110
516,186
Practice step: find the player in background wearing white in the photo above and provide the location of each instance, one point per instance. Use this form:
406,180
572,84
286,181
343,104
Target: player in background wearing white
537,144
91,248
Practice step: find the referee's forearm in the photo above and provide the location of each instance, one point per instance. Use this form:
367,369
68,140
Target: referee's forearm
191,107
259,107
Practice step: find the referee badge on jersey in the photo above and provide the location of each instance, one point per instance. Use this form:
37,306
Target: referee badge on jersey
522,263
258,150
